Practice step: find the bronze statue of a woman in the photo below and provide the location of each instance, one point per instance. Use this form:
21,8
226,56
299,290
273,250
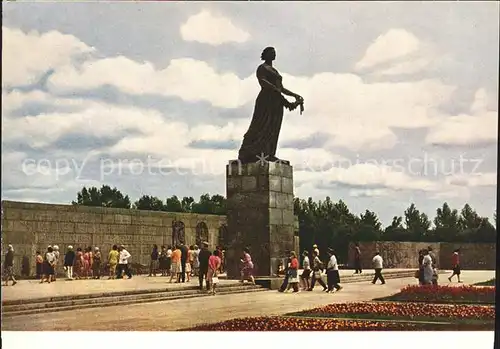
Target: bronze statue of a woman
261,140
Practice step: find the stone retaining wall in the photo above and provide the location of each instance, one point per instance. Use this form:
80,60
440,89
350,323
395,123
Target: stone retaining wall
403,255
33,226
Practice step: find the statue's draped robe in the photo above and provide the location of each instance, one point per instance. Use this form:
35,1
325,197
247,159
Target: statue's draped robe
262,135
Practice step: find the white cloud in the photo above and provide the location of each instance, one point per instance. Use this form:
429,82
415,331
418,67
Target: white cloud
356,114
480,126
474,180
16,99
21,172
360,115
187,78
406,67
336,104
97,119
451,192
398,52
315,159
369,192
371,175
374,137
26,57
332,100
394,44
211,29
233,130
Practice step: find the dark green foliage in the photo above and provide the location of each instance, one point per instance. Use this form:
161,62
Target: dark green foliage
326,223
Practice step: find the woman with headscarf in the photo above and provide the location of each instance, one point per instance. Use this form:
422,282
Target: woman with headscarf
57,255
293,269
9,266
69,261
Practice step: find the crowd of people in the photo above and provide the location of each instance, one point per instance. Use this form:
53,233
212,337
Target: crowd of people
427,274
182,263
84,263
311,274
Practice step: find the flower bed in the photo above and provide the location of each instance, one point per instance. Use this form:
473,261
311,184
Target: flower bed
411,311
283,323
444,294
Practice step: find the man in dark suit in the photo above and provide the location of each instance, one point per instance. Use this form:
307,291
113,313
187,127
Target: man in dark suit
184,257
203,259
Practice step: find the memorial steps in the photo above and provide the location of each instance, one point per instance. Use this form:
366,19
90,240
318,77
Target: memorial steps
80,301
67,303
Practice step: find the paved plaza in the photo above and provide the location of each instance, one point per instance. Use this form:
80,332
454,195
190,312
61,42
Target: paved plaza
29,289
177,314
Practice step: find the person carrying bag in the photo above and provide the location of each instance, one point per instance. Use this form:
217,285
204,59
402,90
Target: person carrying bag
317,269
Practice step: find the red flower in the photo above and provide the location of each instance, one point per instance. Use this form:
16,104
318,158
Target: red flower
278,323
408,310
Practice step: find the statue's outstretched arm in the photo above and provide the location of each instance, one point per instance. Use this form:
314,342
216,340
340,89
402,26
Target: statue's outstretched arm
264,82
289,93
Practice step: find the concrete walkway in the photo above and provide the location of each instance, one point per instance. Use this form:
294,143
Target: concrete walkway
29,289
173,315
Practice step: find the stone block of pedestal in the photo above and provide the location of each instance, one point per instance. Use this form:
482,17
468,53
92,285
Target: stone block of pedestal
259,215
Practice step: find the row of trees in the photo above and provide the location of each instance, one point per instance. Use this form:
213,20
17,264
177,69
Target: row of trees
112,197
325,222
332,224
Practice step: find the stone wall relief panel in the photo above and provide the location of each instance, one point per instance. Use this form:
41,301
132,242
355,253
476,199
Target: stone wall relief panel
178,232
223,236
201,233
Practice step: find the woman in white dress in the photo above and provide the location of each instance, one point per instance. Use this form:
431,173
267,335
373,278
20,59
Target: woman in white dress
427,268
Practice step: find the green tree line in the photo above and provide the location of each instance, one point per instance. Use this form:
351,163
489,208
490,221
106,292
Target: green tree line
325,223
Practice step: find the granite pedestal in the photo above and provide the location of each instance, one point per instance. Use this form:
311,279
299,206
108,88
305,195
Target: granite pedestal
259,215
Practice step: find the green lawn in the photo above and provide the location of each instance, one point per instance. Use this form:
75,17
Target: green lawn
404,298
485,324
486,283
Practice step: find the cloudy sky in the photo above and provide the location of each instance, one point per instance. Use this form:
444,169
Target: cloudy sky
154,98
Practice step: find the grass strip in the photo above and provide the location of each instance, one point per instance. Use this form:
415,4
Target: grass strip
490,282
398,298
377,317
420,325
